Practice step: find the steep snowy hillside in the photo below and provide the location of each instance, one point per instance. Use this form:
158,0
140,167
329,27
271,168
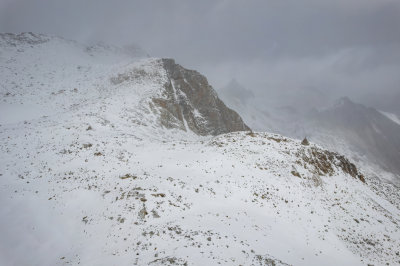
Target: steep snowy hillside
108,159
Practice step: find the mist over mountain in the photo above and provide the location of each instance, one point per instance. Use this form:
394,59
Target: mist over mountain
363,130
342,48
237,92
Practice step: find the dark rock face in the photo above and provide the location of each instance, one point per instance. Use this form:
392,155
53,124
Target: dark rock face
325,161
190,103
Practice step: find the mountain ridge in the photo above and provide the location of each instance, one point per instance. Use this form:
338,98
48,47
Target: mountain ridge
362,133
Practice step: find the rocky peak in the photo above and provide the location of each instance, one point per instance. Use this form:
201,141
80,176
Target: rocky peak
190,103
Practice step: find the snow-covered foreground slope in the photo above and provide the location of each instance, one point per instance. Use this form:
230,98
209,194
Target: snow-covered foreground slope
89,176
101,197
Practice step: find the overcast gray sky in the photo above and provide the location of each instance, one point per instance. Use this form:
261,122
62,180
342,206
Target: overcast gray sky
340,47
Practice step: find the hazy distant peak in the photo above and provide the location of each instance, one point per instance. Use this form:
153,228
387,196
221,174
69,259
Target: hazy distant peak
234,83
34,42
135,49
131,50
344,101
365,129
236,86
347,107
237,91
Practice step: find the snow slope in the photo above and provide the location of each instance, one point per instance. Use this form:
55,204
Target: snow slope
391,116
88,176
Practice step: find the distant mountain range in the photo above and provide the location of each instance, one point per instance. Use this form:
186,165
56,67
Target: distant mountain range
366,131
345,125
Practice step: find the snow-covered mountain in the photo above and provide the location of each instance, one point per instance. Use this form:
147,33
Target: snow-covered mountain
364,130
363,133
38,71
113,159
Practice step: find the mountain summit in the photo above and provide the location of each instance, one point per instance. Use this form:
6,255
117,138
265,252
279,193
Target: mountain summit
179,98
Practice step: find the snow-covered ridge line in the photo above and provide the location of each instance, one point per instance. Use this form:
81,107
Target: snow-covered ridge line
321,161
30,40
24,38
66,67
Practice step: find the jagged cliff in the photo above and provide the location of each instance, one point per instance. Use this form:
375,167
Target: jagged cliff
190,103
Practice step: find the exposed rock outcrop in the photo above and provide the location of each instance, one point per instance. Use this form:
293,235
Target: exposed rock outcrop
325,162
305,142
190,103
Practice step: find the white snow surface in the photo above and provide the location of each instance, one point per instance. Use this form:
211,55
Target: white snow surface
88,177
391,116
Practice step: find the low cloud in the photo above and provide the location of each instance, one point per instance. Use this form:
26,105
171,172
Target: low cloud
345,47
